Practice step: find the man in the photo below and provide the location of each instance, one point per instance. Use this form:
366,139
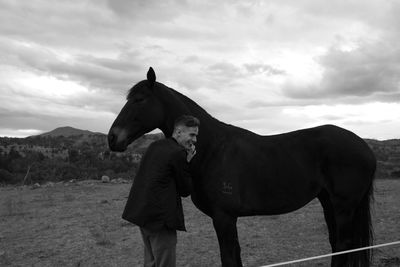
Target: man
154,202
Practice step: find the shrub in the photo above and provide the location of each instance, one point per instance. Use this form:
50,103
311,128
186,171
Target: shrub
395,174
7,177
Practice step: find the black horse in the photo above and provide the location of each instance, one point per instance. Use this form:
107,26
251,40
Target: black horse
239,173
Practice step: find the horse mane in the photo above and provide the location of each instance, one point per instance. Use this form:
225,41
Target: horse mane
192,108
204,116
140,84
168,92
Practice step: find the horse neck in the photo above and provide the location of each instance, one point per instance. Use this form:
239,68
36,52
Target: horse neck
176,104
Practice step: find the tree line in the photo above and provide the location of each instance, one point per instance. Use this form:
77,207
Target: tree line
87,157
40,159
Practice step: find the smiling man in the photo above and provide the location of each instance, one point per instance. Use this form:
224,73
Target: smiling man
154,202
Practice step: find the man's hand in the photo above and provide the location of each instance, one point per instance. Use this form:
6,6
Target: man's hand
191,152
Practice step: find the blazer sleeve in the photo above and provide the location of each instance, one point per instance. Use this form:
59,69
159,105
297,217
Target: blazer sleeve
183,178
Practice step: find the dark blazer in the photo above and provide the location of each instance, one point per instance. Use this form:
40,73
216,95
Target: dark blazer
163,177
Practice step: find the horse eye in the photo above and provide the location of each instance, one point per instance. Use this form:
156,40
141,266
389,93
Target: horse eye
138,100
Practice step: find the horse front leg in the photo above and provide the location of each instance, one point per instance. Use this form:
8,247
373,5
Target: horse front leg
225,227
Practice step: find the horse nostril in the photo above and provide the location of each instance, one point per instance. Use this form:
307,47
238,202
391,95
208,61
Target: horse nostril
112,139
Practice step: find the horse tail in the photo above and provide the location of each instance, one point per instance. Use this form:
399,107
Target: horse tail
363,231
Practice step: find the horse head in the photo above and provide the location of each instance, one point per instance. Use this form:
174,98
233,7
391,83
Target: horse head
142,113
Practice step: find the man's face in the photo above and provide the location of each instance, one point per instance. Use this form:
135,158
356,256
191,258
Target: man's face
187,136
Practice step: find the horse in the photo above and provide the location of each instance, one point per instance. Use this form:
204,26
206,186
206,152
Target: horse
239,173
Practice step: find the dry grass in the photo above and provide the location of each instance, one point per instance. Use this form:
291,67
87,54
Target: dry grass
80,225
13,206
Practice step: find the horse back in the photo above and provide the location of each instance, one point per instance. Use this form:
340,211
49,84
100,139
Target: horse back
250,174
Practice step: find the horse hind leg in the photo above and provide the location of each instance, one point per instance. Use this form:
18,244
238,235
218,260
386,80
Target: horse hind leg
326,204
343,236
349,227
225,227
353,230
359,231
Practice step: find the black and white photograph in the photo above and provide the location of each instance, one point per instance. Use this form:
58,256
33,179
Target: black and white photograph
200,133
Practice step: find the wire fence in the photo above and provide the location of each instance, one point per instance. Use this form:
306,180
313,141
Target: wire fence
332,254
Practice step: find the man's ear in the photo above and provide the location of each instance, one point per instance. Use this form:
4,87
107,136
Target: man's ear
178,131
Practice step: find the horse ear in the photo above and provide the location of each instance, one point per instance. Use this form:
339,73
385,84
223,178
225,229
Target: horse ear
151,77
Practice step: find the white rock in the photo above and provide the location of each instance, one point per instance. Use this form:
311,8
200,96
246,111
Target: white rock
105,179
49,184
122,181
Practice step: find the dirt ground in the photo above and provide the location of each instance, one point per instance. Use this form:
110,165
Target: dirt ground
79,224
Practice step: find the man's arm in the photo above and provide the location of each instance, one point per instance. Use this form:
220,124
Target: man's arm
183,178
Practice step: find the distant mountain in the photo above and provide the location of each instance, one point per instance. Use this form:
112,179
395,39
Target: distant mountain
69,137
68,153
68,131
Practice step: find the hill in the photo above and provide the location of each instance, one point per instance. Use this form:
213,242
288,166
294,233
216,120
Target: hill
387,154
68,131
67,153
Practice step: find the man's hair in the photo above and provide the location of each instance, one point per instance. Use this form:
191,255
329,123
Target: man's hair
187,120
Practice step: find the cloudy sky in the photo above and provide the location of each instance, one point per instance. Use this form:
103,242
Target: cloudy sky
267,66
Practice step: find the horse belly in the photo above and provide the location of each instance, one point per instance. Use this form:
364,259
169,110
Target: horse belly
278,191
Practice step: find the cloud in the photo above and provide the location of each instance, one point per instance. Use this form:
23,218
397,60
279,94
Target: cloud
52,23
263,69
89,70
225,69
191,59
146,9
43,114
369,70
360,118
231,71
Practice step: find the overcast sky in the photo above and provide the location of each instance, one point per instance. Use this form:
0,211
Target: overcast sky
267,66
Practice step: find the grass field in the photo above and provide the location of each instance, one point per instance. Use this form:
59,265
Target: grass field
79,224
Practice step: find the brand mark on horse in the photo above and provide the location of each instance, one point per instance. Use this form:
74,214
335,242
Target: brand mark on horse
227,188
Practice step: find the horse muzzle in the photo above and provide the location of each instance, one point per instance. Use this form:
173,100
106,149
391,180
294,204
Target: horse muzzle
117,139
